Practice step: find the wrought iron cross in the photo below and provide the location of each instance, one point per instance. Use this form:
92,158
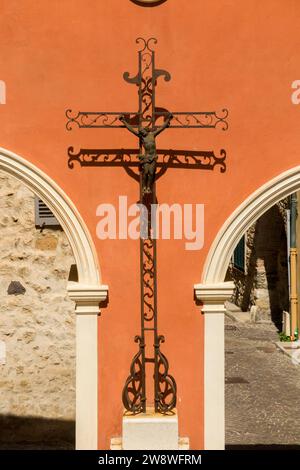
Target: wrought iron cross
148,120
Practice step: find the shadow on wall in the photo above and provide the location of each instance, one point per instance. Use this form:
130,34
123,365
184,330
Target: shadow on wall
17,433
265,284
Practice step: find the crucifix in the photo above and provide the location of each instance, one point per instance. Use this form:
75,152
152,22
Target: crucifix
146,124
148,159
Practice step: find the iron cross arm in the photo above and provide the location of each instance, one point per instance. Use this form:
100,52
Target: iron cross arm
183,120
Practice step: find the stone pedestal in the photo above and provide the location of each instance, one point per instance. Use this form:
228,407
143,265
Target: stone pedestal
150,431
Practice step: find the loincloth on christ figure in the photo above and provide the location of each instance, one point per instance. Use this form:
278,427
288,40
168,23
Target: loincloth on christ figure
147,158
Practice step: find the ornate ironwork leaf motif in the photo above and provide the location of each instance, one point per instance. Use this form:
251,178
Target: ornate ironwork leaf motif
154,119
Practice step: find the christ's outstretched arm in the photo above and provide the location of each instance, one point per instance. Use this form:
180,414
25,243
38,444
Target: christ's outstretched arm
129,127
165,124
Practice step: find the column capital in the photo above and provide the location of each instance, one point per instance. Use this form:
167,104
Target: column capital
87,297
213,295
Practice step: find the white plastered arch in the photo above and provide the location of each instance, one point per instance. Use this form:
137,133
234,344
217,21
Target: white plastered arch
63,209
242,218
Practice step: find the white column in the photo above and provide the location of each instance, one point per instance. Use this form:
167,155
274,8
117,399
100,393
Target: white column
213,297
87,299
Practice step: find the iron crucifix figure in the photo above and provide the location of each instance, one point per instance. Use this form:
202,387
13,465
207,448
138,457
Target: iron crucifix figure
149,158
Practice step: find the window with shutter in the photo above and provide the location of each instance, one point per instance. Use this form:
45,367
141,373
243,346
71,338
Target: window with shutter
43,215
239,255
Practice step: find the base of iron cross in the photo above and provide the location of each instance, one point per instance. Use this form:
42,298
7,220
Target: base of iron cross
150,431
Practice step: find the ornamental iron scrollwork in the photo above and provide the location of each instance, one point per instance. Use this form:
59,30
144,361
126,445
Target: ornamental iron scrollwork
201,119
148,279
151,120
166,394
182,120
132,395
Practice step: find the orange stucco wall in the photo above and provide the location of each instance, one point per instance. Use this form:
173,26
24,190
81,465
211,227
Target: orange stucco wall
221,53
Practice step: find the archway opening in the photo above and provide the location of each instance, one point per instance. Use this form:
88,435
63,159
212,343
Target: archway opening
256,317
259,268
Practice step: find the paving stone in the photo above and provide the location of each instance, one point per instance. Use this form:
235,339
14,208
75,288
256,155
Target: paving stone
264,412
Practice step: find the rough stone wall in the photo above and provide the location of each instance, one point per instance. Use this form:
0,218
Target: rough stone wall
263,288
37,326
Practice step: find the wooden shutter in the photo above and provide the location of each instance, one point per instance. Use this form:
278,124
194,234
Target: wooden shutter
43,215
239,255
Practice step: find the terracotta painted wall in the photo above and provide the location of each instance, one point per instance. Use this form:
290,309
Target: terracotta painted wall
221,53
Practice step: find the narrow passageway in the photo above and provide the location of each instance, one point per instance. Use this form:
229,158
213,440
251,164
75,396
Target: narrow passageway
262,389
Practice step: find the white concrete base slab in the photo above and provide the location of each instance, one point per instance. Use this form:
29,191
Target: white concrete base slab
150,431
116,443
